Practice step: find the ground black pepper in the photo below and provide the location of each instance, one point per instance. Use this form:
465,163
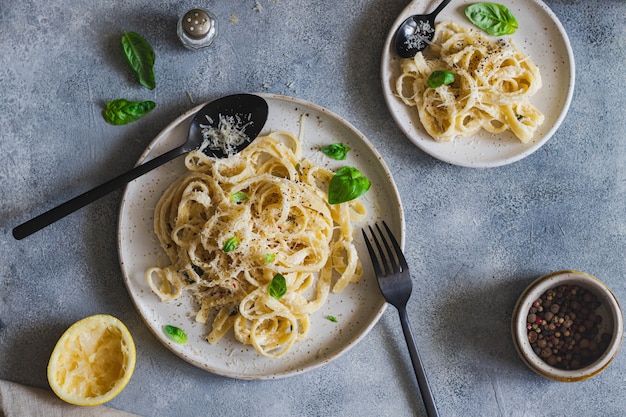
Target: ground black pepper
564,328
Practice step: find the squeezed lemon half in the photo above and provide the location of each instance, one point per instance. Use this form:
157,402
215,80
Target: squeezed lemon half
93,361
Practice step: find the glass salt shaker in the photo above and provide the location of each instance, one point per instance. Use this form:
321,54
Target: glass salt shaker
197,29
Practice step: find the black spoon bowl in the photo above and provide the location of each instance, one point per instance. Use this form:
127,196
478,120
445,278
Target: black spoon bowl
249,110
417,32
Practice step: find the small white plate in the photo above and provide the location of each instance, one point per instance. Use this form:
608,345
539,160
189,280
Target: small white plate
357,308
541,36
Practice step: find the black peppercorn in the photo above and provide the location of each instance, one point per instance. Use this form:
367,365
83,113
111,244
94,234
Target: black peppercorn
563,327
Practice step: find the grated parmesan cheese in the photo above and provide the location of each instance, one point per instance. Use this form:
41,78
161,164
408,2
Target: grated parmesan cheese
227,136
420,38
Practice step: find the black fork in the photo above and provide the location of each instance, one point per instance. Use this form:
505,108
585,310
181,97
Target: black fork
394,280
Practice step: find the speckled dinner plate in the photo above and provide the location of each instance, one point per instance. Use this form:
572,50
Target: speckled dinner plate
357,309
541,36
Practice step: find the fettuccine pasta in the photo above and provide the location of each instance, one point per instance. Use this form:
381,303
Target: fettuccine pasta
272,206
493,84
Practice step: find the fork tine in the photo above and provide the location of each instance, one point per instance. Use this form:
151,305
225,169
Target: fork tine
370,249
390,260
387,266
396,246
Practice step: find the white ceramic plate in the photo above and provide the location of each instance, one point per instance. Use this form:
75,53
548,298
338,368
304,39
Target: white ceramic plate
357,309
541,36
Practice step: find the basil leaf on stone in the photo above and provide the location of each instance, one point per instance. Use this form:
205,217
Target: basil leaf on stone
140,57
337,151
121,111
439,78
493,18
347,184
176,334
277,287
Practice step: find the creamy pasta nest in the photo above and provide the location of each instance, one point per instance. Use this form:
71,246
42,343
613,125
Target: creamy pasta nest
493,82
230,226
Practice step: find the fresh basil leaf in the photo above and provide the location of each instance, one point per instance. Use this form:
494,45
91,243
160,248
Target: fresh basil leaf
140,57
277,287
439,78
332,318
337,151
231,244
269,258
493,18
176,334
347,184
121,111
238,197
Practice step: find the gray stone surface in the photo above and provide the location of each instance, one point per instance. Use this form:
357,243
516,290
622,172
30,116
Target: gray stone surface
475,238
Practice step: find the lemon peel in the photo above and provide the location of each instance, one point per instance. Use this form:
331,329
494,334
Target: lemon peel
92,361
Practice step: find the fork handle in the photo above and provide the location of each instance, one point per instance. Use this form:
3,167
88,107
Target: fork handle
422,381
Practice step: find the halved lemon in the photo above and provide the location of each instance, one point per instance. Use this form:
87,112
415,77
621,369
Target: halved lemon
93,361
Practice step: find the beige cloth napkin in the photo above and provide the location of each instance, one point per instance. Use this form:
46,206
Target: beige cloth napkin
19,400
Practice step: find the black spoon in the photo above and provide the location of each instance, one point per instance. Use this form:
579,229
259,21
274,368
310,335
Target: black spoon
417,32
251,110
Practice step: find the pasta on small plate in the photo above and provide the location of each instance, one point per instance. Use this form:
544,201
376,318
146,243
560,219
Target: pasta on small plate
509,95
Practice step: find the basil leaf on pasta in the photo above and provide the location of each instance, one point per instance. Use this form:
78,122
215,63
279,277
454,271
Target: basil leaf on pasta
278,287
439,78
347,184
231,244
239,197
493,18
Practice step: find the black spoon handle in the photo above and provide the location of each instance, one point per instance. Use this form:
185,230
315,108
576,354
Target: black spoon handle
57,213
439,8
